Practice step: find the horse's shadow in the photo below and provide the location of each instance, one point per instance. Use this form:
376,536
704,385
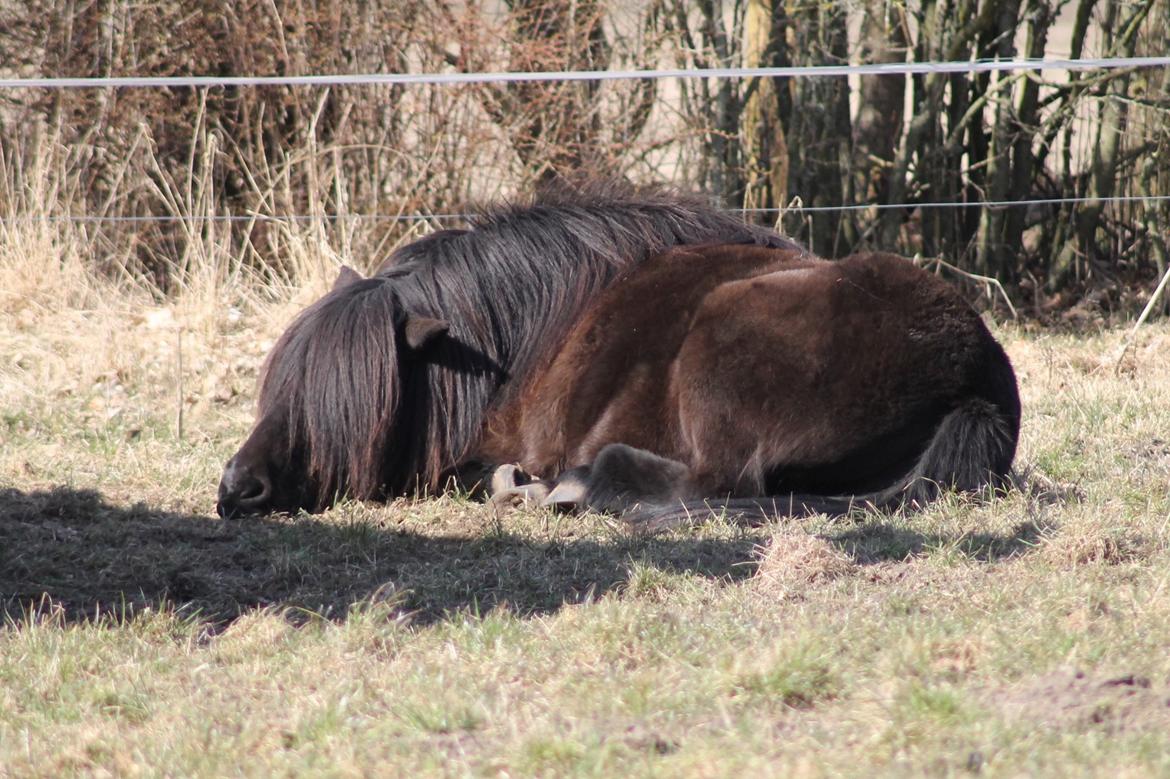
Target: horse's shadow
87,557
880,541
75,550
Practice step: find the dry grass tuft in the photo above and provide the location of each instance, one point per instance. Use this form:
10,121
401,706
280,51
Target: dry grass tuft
1086,540
1042,489
792,560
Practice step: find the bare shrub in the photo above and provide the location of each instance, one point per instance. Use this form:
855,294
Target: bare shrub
191,157
180,161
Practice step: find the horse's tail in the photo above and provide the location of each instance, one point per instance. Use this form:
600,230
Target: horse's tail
972,448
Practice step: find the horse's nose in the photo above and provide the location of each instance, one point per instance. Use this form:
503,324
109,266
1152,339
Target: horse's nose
243,490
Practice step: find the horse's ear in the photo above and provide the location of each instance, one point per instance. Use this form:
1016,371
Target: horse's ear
345,277
421,330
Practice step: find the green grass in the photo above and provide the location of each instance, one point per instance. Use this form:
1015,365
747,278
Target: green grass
1009,637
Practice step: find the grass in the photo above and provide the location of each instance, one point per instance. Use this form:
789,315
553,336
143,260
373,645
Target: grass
1020,636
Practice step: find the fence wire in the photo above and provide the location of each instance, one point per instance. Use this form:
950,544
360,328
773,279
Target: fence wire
374,79
794,71
302,218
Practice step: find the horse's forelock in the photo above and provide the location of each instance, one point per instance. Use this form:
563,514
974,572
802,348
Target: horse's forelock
335,371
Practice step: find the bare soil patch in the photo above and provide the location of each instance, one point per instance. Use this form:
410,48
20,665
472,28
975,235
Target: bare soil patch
1117,703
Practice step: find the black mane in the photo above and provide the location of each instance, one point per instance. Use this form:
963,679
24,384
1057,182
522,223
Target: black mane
510,286
524,271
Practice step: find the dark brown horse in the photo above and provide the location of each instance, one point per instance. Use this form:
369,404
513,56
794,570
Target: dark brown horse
642,354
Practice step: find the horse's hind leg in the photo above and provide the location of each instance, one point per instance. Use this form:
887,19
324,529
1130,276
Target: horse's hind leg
621,478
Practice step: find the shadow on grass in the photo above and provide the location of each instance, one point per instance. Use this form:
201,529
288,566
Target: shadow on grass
878,541
93,558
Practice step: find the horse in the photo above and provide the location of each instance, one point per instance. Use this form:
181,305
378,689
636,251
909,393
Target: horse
631,351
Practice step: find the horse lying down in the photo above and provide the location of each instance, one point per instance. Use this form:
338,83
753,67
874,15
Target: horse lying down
638,354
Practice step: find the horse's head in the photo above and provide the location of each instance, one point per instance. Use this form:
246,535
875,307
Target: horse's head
335,413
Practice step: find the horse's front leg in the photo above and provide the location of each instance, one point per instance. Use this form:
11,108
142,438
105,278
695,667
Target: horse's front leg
622,478
510,486
504,486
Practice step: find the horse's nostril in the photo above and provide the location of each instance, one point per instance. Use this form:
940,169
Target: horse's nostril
250,489
242,491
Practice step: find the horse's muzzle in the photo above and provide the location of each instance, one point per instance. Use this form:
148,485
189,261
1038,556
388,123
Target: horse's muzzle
243,491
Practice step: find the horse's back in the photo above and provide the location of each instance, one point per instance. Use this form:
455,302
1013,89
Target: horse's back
869,317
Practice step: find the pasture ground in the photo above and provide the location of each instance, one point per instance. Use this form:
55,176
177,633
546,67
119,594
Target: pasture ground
146,636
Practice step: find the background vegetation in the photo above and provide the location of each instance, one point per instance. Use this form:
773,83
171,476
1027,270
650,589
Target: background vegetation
757,143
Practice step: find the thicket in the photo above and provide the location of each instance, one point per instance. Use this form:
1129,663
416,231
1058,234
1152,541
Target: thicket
335,153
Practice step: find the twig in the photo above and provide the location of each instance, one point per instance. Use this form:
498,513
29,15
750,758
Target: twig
1142,319
179,388
987,281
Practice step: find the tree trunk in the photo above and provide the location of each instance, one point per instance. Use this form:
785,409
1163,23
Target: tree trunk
878,124
993,257
818,126
1120,41
765,149
1039,18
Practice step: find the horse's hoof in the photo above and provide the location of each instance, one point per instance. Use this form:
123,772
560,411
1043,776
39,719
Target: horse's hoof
509,476
569,492
504,478
531,494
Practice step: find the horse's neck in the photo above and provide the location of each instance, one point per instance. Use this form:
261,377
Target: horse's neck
501,429
496,347
522,300
539,331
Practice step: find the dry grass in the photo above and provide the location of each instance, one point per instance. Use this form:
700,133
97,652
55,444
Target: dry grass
147,636
791,561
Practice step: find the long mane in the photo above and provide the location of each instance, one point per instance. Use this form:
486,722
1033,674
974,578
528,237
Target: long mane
334,373
510,287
